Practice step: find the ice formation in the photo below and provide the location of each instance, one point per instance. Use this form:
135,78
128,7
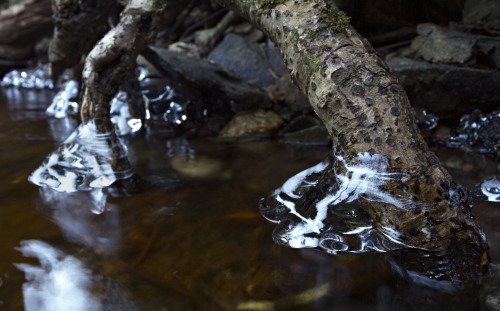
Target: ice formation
37,78
82,162
64,103
335,221
491,189
121,116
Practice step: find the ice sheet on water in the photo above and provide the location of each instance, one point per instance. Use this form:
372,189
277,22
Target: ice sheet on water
168,106
60,283
121,116
82,162
479,131
329,216
491,189
36,78
65,101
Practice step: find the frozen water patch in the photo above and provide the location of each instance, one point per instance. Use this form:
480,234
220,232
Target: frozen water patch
82,162
121,116
37,78
60,283
366,178
491,189
64,103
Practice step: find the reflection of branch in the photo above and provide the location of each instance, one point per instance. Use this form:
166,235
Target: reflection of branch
142,255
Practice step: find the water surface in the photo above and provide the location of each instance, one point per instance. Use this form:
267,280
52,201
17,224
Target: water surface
193,243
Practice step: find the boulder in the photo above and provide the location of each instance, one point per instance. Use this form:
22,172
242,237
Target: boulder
445,90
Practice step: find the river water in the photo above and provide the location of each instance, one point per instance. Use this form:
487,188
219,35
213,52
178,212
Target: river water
197,242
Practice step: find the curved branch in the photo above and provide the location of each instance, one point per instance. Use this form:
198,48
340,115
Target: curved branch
380,171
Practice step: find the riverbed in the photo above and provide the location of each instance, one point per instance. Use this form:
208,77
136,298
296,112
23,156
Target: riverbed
194,242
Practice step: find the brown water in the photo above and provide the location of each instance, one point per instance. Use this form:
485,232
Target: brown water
202,246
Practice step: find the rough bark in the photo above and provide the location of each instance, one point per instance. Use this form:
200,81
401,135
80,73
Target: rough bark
367,114
22,26
78,26
111,60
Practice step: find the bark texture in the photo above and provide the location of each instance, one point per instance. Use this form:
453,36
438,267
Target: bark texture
111,61
78,26
364,109
367,112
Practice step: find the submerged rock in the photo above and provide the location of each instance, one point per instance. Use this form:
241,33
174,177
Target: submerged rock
258,122
197,167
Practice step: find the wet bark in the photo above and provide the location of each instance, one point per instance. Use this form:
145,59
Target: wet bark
111,61
367,112
22,26
78,26
361,104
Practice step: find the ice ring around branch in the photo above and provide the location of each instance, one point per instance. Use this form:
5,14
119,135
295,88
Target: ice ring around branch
329,206
82,162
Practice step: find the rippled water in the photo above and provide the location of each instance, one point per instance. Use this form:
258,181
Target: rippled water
197,243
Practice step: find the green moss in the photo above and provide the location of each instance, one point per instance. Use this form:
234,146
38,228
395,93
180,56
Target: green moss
337,104
159,4
331,19
338,21
314,63
295,41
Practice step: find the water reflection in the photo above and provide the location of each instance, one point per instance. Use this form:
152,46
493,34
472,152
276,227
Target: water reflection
27,105
60,283
84,218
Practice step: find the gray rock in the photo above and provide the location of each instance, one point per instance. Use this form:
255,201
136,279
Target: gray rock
481,10
441,45
448,91
247,59
454,45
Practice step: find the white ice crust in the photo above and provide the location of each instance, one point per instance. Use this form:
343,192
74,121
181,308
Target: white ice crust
82,162
364,179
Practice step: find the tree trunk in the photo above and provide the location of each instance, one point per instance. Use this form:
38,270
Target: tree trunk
22,26
405,198
78,26
381,189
